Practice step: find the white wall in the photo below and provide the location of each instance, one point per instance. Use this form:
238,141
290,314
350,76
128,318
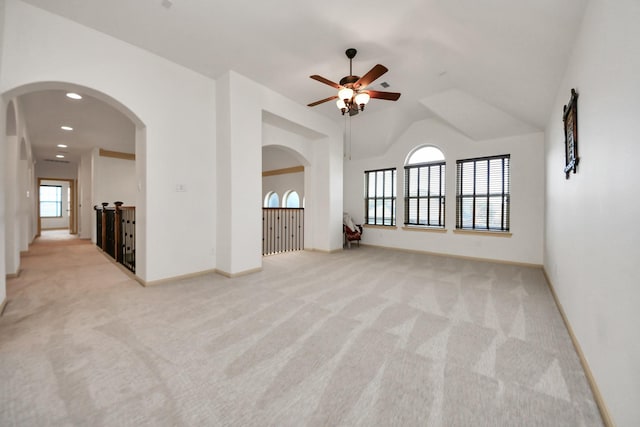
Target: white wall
175,106
19,195
26,185
63,221
86,215
53,169
10,171
3,104
527,186
592,233
3,118
113,180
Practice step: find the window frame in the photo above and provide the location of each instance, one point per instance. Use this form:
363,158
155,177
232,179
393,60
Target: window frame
57,202
382,198
441,197
477,194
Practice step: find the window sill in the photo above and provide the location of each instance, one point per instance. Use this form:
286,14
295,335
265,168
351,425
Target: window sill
424,229
384,227
484,233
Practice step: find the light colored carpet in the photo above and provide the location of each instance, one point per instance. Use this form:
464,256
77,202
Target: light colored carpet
367,337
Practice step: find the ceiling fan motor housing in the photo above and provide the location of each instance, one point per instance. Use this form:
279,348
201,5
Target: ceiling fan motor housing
348,81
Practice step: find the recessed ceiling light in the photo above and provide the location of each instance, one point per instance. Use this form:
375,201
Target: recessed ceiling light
62,145
66,128
60,156
74,95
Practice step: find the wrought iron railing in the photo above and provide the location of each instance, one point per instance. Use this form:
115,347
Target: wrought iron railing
128,233
282,230
109,232
116,232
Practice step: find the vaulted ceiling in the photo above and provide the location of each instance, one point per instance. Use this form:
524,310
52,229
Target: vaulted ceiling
487,68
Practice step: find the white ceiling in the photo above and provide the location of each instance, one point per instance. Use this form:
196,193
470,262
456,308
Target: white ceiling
94,123
460,54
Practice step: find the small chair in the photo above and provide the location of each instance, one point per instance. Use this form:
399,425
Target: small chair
352,235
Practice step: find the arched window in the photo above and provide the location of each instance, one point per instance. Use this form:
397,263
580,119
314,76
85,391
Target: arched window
425,154
424,198
291,199
271,200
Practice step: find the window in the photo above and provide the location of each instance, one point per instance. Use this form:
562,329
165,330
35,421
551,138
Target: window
271,200
380,197
291,199
483,197
51,201
424,193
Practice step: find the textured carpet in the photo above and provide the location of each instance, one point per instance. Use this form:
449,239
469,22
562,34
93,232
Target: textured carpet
367,337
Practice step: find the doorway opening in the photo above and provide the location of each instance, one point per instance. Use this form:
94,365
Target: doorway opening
57,205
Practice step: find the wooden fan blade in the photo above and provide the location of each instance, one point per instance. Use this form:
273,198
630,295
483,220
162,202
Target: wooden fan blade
313,104
326,81
389,96
373,74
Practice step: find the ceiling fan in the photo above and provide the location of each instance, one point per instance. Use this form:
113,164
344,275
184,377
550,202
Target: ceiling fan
353,94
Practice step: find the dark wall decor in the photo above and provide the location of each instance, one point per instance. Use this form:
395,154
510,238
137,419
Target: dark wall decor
570,119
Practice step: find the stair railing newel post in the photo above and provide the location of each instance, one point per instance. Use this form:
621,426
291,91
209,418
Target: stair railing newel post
98,210
117,231
104,226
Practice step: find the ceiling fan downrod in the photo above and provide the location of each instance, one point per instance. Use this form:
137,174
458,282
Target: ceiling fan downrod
351,53
349,80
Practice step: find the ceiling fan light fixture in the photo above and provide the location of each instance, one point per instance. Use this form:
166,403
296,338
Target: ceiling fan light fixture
361,99
345,94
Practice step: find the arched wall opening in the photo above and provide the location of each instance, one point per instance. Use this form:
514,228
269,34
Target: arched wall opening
73,87
27,210
288,151
284,171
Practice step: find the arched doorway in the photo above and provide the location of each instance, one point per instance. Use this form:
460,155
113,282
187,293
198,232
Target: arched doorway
88,141
283,174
